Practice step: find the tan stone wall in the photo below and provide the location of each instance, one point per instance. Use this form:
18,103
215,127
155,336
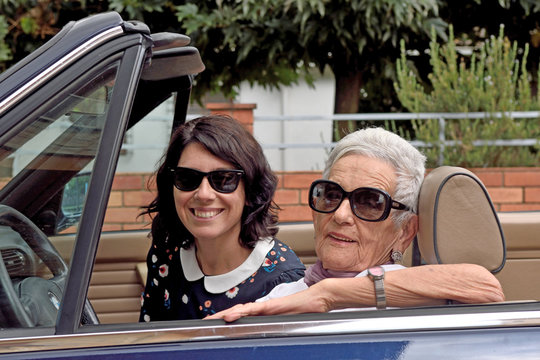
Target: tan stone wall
511,189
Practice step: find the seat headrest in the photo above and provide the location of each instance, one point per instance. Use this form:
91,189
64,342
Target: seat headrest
457,221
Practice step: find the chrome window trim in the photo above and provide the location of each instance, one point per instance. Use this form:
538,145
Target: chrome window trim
416,323
59,66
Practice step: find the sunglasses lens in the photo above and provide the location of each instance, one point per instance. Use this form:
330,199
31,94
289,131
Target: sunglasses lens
187,179
368,204
325,197
224,181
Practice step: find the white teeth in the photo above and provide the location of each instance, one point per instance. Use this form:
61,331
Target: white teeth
342,239
206,214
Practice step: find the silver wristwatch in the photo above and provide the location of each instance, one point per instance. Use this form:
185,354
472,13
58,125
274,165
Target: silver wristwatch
376,274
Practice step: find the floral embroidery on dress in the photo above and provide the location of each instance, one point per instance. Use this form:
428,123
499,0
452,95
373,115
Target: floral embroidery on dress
207,309
277,256
231,293
164,270
167,299
267,262
268,265
250,279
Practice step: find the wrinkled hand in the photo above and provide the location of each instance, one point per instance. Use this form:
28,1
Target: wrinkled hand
312,300
236,312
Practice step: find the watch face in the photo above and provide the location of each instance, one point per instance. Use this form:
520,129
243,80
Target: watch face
376,271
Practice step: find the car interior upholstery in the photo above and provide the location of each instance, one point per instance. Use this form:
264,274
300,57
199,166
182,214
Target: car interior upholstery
453,228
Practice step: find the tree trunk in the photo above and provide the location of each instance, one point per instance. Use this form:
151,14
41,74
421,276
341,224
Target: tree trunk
347,98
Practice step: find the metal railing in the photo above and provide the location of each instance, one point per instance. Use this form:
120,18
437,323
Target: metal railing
282,120
442,118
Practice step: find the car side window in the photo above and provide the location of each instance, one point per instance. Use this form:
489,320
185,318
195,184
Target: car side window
38,211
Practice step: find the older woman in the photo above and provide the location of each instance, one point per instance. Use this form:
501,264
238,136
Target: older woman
364,219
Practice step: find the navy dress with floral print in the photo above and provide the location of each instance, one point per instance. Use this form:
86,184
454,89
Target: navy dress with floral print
168,295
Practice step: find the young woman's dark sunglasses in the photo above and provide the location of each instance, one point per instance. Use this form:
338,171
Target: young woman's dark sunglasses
369,204
223,181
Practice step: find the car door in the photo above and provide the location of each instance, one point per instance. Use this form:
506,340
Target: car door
69,117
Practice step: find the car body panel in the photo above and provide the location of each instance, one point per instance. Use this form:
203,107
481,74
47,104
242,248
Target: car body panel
334,335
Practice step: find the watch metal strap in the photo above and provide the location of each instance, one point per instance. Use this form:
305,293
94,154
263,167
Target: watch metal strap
380,296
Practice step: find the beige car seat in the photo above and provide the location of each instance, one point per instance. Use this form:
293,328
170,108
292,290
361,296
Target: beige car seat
457,221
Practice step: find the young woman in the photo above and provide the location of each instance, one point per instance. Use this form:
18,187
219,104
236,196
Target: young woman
213,225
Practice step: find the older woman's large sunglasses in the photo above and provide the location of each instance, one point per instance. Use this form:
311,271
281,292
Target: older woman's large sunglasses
367,203
223,181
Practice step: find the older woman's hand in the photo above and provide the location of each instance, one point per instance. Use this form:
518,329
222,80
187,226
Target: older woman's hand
312,300
238,311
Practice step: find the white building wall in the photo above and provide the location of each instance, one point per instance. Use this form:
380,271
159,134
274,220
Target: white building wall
148,140
296,100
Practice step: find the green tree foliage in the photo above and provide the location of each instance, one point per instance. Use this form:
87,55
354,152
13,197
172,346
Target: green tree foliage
138,10
492,80
5,53
24,26
274,42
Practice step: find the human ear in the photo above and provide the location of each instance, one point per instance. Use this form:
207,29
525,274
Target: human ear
408,232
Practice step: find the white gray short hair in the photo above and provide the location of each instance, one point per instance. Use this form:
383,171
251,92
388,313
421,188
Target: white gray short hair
379,143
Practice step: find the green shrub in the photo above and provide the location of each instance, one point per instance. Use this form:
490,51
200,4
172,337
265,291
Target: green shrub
492,80
5,53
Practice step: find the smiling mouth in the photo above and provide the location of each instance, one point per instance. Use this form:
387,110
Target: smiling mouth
342,239
206,214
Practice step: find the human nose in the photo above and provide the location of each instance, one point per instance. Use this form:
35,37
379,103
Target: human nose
343,214
205,190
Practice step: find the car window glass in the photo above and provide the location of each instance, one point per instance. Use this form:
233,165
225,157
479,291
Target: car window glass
38,211
119,272
73,198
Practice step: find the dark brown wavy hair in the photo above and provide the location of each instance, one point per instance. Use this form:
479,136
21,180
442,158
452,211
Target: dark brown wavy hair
227,139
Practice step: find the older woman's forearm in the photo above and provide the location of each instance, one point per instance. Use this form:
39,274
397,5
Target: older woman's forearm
417,286
466,283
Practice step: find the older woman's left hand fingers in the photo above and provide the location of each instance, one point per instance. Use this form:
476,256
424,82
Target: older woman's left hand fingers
235,313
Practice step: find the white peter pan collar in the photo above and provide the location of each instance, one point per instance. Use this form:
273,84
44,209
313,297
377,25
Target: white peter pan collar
216,284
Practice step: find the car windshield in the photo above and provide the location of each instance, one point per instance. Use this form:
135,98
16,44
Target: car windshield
45,152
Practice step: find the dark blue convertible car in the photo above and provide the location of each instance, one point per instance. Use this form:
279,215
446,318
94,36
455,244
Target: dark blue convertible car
64,113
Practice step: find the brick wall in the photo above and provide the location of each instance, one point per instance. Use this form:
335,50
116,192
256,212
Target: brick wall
511,189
